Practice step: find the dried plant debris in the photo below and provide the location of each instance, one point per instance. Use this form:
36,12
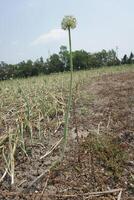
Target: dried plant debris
99,155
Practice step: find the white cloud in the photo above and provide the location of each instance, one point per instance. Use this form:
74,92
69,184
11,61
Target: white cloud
51,36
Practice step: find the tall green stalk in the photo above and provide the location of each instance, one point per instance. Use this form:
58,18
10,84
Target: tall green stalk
68,23
70,95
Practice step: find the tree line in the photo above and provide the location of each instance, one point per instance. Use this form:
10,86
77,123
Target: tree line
59,62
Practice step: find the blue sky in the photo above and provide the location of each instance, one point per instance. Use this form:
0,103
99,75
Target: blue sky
30,29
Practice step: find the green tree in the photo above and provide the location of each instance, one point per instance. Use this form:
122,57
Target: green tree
124,60
80,59
64,57
54,64
101,58
40,65
131,58
92,61
111,58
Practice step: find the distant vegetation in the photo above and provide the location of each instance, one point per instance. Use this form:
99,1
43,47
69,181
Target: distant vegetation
60,62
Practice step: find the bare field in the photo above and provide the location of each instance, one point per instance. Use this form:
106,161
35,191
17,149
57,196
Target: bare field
99,154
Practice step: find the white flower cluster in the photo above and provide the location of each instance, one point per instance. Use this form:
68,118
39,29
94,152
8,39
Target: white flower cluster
68,22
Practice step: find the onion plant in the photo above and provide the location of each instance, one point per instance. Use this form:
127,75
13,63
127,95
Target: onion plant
68,23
